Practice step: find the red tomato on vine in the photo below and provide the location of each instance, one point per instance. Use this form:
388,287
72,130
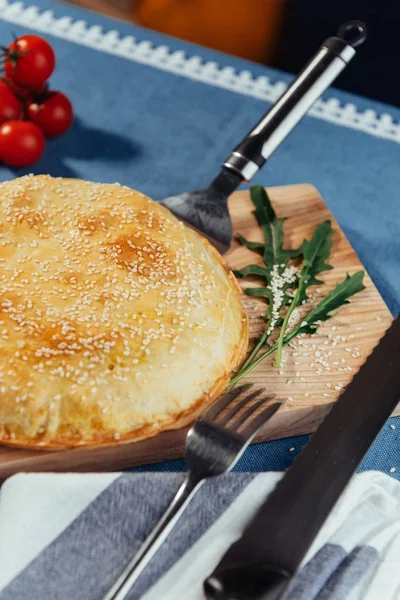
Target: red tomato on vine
21,143
53,113
10,106
29,61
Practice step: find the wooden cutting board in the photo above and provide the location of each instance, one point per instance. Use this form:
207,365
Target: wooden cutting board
314,372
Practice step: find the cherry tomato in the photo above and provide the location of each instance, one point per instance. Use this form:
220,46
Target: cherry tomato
21,143
10,106
24,93
29,61
53,114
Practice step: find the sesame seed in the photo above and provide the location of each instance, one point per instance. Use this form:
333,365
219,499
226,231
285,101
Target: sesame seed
291,449
392,426
392,469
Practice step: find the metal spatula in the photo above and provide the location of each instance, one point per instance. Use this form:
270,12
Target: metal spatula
207,210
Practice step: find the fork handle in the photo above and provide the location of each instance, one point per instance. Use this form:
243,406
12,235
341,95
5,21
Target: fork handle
141,559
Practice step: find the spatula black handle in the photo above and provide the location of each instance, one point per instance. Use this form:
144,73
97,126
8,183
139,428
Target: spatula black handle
318,74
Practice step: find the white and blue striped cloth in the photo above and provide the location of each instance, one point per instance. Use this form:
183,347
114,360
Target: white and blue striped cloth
65,537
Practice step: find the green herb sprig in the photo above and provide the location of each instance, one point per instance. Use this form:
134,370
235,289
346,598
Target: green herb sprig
286,283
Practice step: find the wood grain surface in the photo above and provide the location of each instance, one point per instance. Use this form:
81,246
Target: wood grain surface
315,370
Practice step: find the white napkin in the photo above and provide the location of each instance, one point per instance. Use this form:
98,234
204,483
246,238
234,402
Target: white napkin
69,536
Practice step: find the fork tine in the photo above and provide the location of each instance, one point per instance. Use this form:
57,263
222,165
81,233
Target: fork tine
250,431
247,413
222,402
237,407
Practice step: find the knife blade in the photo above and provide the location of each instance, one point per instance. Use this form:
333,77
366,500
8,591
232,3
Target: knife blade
261,564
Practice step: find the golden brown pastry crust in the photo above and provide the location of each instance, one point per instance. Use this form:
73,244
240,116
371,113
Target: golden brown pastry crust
116,320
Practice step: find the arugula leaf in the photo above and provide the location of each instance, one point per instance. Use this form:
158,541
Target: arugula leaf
281,279
260,292
315,253
272,229
352,284
255,246
275,260
252,270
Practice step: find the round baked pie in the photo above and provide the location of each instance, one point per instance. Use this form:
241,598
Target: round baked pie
116,320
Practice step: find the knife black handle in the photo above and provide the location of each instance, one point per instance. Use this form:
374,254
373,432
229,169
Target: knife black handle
252,583
318,74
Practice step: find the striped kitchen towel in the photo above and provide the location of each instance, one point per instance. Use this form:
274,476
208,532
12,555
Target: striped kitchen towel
66,537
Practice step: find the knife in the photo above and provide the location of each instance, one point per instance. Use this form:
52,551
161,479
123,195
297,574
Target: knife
262,563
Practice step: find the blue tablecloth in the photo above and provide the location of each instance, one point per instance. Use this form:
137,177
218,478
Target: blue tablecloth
160,115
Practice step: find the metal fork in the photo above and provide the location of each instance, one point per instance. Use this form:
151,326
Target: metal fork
212,448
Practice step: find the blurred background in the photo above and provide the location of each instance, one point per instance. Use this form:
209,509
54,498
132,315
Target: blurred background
279,33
